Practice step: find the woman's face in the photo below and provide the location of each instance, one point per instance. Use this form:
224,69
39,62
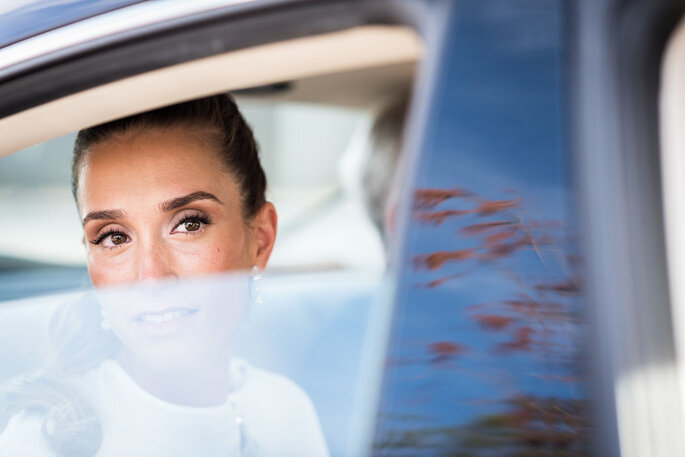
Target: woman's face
159,204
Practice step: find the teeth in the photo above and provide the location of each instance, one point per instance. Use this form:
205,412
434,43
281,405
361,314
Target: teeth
160,318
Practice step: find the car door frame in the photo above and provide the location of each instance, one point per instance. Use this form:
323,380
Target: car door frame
615,72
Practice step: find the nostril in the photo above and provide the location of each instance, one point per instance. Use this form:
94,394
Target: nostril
156,276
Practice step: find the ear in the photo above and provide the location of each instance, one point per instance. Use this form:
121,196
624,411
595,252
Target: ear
264,227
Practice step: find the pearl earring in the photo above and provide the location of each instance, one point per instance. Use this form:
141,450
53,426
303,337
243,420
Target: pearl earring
255,289
104,323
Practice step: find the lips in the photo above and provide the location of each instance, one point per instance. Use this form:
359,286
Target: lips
164,316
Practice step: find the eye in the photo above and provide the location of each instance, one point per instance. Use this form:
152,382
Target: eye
118,238
192,223
191,226
111,239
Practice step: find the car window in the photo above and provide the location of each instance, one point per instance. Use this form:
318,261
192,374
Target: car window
311,326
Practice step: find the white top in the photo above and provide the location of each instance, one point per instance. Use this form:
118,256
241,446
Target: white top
265,415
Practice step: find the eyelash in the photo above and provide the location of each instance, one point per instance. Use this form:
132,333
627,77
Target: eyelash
203,219
104,235
197,217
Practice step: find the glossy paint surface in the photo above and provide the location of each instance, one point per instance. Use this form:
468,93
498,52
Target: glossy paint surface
486,354
23,19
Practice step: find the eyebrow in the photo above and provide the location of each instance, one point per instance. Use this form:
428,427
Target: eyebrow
107,214
169,205
180,202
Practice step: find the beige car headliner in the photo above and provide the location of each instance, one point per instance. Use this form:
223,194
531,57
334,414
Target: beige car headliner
366,66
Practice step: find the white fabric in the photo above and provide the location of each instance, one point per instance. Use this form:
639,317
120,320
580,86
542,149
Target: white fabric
265,415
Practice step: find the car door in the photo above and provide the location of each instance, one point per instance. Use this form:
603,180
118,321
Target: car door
529,355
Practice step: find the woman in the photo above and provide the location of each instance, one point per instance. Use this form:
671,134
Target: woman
174,192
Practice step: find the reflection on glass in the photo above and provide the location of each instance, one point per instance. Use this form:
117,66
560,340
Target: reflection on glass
487,350
88,399
509,337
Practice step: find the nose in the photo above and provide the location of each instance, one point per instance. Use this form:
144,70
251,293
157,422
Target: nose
155,261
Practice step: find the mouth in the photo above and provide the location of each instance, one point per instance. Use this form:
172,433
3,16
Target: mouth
164,316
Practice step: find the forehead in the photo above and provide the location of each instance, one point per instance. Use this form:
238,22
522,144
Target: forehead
159,163
139,145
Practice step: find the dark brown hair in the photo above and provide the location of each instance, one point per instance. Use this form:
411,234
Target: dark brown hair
217,117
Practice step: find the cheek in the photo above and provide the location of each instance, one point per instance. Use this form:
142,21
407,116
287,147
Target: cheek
212,255
207,259
107,272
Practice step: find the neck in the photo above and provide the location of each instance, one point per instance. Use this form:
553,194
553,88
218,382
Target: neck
205,383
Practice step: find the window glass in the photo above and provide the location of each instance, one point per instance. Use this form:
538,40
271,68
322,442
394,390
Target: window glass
486,354
302,340
302,368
